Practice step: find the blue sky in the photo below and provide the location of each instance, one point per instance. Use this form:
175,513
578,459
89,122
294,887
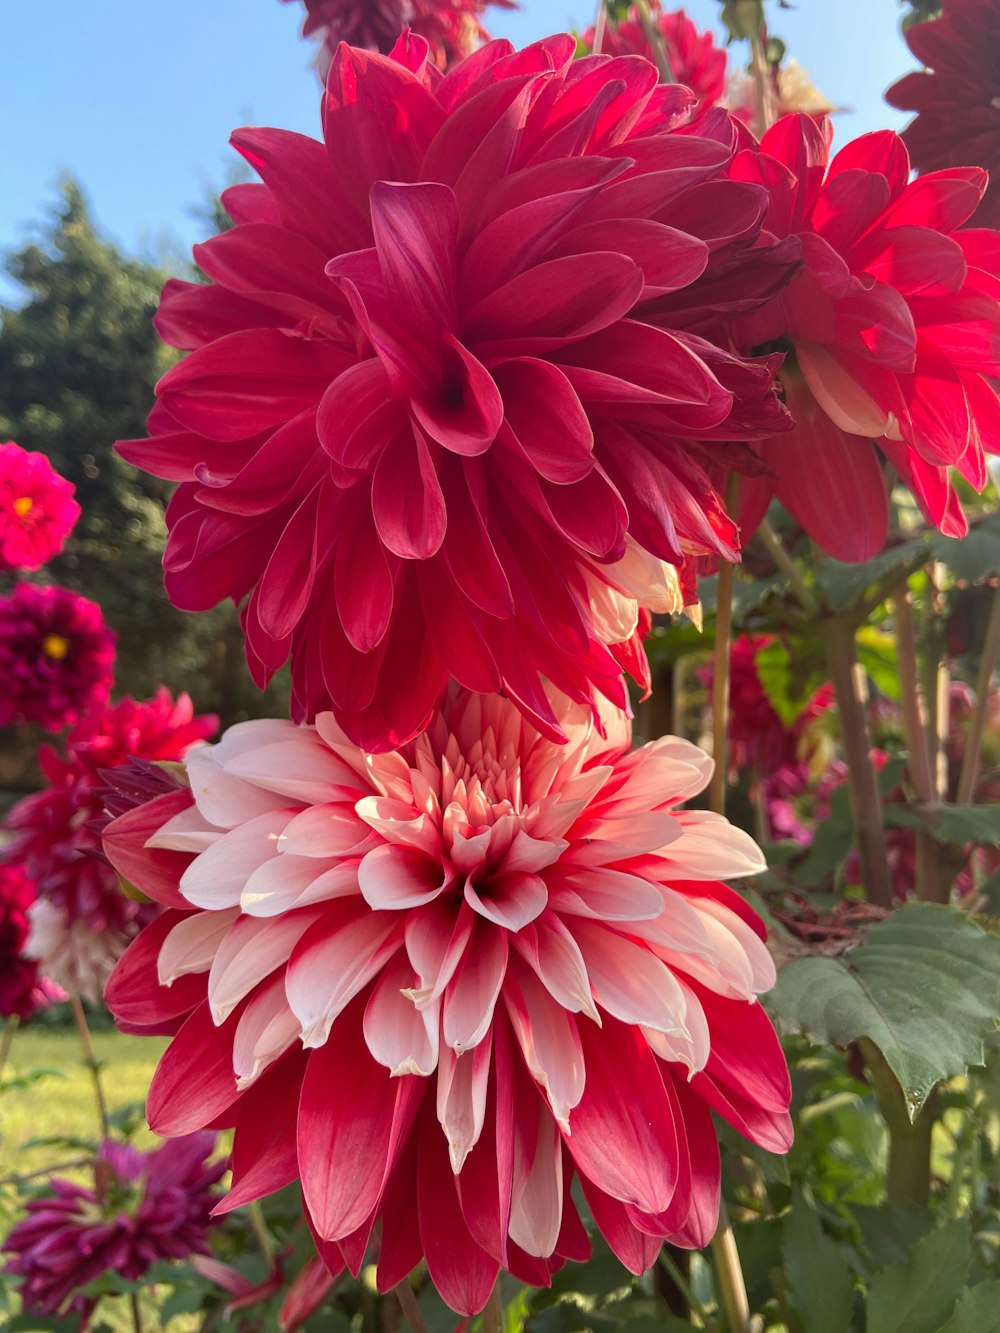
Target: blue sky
137,100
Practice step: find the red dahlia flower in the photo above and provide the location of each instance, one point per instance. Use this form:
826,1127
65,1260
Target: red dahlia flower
451,28
419,981
148,1207
425,425
957,98
693,57
82,920
22,990
37,509
57,656
892,328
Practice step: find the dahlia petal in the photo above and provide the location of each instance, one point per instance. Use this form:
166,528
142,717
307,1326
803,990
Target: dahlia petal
513,899
603,894
471,995
260,257
394,876
636,1249
251,949
217,878
266,1030
187,831
285,588
264,1155
461,1098
352,1117
842,399
416,232
320,831
550,1044
537,1211
363,584
129,990
194,1082
724,852
332,962
630,982
407,499
555,956
191,944
625,1146
435,945
226,800
691,1048
400,1036
126,844
296,766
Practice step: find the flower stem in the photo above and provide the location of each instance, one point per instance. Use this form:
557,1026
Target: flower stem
909,1174
914,706
7,1040
493,1313
732,1284
74,1164
866,802
720,665
600,24
984,679
90,1060
408,1304
653,35
772,543
136,1312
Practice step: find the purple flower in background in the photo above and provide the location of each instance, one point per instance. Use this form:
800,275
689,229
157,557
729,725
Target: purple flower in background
146,1207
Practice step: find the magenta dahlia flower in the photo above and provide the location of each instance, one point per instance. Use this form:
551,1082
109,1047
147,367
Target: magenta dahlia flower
425,425
22,990
420,982
82,920
957,97
37,509
692,55
892,331
57,656
451,28
146,1207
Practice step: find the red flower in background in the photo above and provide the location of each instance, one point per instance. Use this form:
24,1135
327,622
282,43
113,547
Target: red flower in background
147,1207
426,426
892,328
57,656
37,509
693,57
957,98
81,920
22,990
451,28
436,984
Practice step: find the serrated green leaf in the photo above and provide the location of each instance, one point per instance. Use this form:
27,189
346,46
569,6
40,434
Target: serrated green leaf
967,823
844,584
924,986
977,1311
918,1295
820,1286
790,679
975,556
889,1231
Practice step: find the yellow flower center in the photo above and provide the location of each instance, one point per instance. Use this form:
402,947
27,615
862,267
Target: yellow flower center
23,506
55,646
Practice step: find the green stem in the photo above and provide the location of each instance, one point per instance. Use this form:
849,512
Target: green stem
136,1312
866,802
772,543
909,1174
408,1304
720,667
493,1313
984,680
90,1060
653,35
7,1040
732,1284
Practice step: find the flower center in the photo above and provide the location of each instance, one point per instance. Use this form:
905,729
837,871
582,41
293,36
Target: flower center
55,646
23,506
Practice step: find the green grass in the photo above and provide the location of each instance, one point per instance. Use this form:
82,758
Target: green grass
60,1102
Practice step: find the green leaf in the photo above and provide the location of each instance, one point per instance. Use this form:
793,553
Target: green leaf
918,1295
821,1288
889,1231
974,556
923,985
790,679
844,584
968,823
977,1311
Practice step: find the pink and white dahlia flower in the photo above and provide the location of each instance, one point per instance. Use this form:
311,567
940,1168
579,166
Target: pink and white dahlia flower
436,984
427,426
892,330
23,990
146,1207
37,509
57,656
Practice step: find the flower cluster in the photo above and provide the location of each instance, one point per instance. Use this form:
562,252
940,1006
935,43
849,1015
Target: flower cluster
57,656
145,1207
22,990
81,920
451,28
957,98
419,981
37,509
891,333
448,412
691,57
